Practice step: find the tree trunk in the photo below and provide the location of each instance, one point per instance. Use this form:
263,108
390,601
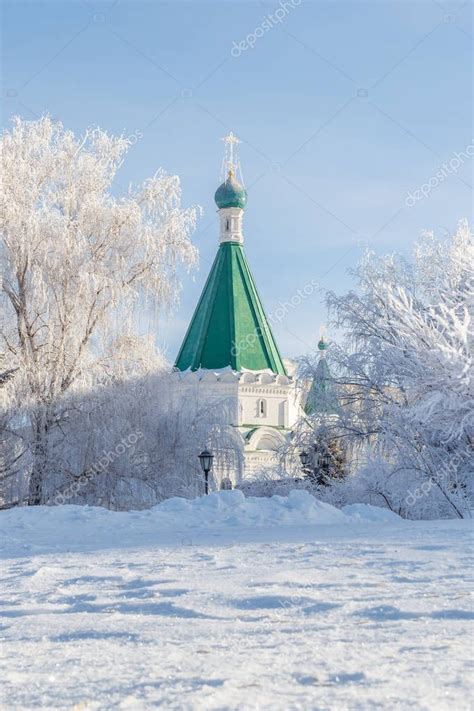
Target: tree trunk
36,489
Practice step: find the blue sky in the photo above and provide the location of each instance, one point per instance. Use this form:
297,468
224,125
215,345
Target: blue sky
343,108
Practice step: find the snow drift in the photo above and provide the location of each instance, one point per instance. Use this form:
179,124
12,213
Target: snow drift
30,529
232,508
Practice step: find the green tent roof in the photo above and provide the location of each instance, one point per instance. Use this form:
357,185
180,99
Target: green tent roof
322,398
229,326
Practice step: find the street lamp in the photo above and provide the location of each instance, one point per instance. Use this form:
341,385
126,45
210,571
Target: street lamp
205,459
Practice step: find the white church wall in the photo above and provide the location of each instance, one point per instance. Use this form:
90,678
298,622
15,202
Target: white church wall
263,408
264,405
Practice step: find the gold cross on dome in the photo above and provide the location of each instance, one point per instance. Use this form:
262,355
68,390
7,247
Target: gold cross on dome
230,141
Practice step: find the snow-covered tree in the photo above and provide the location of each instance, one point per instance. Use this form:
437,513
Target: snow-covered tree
13,445
405,376
75,261
129,443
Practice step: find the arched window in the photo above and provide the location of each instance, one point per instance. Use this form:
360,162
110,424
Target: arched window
227,224
262,408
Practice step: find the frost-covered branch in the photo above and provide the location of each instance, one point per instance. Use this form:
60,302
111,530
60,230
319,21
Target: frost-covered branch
76,261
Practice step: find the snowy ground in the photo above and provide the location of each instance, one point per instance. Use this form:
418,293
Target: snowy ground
231,604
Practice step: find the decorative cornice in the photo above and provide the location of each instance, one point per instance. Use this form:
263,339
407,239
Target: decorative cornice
249,381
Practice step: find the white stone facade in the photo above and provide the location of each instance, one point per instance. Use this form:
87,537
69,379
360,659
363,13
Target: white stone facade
261,406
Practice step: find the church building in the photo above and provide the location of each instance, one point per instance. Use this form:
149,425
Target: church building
229,351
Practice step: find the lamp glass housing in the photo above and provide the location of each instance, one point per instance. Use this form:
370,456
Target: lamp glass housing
205,459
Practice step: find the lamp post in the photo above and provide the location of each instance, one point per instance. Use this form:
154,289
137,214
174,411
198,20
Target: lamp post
205,459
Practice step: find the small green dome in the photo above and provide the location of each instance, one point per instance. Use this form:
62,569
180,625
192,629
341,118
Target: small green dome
231,193
322,345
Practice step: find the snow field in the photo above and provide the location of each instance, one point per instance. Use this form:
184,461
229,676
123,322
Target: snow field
232,603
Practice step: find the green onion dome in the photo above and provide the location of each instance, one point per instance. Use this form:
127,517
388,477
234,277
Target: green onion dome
231,193
322,345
